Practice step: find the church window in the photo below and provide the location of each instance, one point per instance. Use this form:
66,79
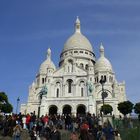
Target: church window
81,65
75,51
95,80
70,61
57,92
86,67
43,80
65,54
69,85
82,92
86,52
81,51
105,78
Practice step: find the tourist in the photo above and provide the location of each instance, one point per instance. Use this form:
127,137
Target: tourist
24,122
55,134
28,121
74,136
17,131
33,133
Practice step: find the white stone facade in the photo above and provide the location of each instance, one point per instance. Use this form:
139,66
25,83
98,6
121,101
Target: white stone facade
74,87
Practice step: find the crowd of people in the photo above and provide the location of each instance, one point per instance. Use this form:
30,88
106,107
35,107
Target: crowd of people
49,127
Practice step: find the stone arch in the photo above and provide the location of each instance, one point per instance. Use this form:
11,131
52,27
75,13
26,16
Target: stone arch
58,81
67,109
81,109
80,80
53,110
70,60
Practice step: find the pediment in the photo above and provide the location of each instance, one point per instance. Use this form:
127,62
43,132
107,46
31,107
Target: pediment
69,69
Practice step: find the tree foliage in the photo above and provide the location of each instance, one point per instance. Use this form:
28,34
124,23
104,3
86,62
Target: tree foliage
137,108
3,97
125,107
5,106
106,109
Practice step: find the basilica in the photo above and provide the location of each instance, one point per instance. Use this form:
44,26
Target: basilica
82,83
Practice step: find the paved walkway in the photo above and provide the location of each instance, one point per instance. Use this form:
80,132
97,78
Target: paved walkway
65,135
24,136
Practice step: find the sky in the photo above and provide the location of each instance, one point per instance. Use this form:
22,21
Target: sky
28,28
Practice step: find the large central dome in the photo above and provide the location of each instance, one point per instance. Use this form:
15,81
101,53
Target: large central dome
77,40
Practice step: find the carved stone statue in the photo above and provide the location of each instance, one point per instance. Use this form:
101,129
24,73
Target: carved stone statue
90,87
43,91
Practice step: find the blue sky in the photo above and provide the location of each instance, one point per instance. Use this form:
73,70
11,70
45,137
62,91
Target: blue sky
28,28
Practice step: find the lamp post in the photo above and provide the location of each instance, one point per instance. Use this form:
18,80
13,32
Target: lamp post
18,99
104,94
40,98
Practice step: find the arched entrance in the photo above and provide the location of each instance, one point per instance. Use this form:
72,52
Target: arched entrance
53,110
67,109
81,110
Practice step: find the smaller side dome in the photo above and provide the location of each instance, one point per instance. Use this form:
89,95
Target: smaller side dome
47,64
103,64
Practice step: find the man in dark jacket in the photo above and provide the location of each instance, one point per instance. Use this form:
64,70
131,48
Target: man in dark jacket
55,134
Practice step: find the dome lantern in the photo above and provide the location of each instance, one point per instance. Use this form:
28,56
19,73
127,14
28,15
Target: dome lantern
77,25
49,54
102,50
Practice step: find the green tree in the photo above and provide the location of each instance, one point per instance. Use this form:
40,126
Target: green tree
137,109
125,107
5,106
3,97
106,109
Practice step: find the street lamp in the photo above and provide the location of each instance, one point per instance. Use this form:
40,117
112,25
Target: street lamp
18,99
104,94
